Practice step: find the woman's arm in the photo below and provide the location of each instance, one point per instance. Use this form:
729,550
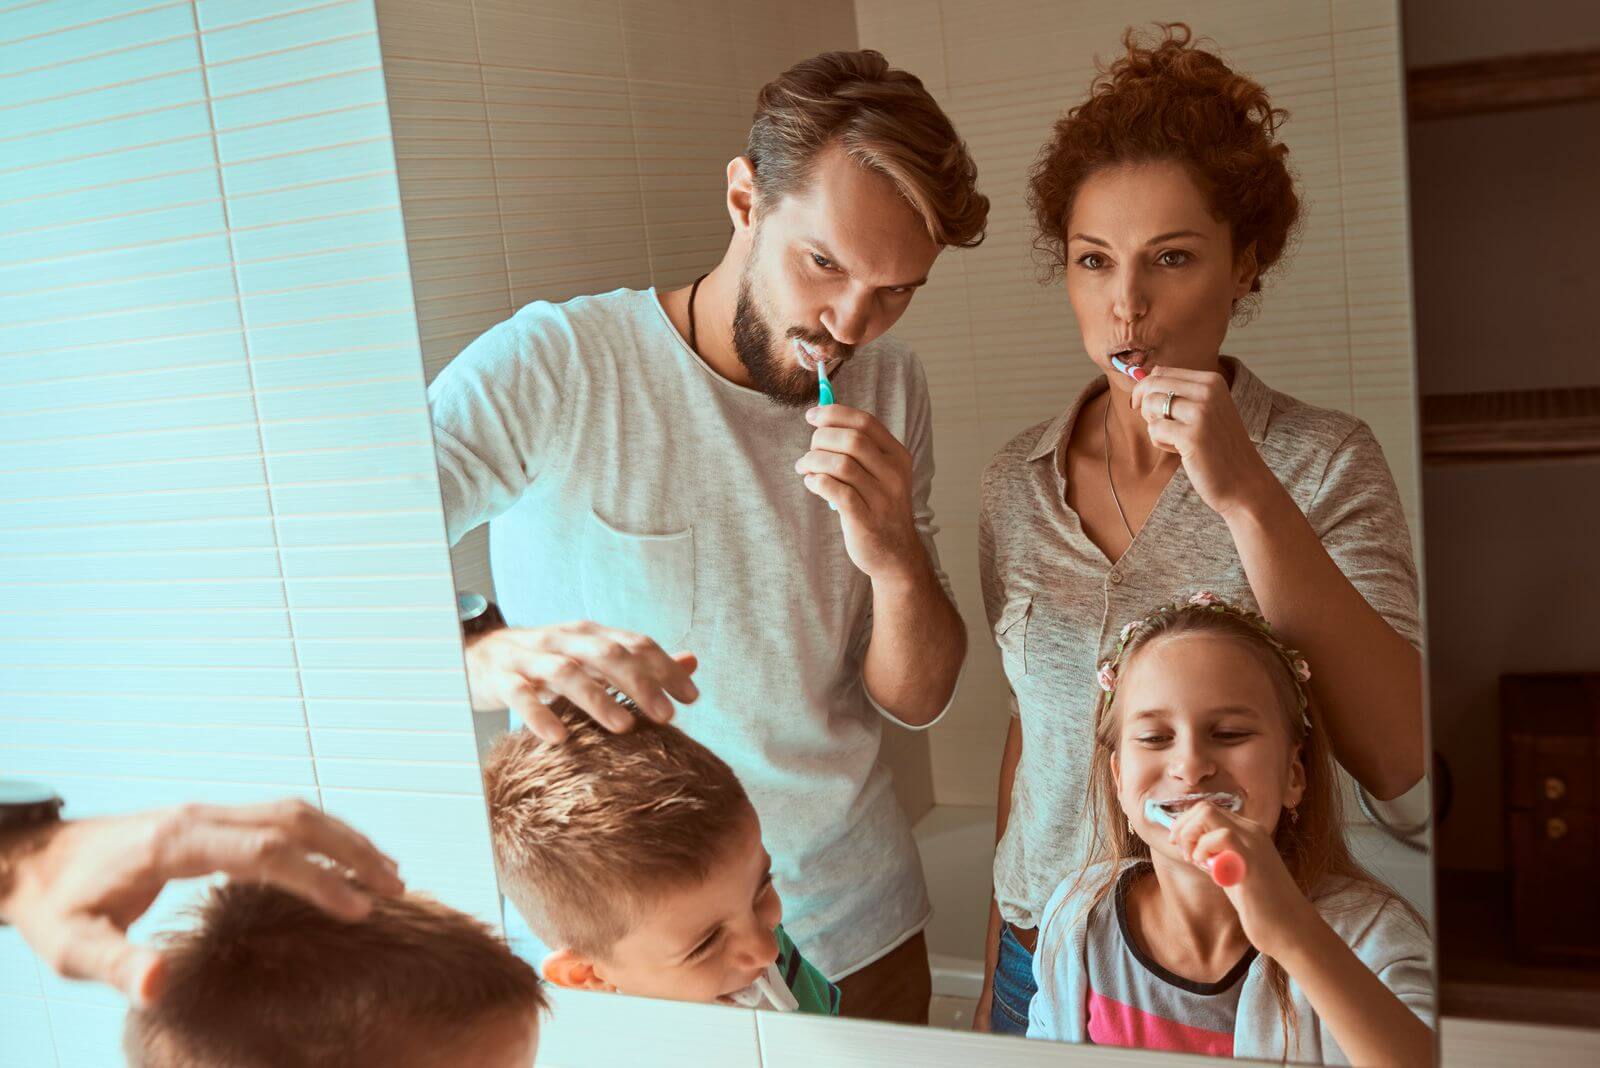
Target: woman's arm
1367,678
991,945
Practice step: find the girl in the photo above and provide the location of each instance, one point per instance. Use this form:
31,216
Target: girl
1204,716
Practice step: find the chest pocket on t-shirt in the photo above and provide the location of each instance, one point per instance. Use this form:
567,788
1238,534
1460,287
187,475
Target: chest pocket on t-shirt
1011,632
638,582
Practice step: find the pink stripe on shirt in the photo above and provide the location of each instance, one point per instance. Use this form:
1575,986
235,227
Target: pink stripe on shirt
1111,1023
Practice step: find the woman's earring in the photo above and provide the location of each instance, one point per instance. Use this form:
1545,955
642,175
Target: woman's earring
1294,813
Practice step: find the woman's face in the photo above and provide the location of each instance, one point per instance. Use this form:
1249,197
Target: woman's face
1151,274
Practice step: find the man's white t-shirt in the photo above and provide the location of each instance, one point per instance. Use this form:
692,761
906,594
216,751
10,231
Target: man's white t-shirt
627,482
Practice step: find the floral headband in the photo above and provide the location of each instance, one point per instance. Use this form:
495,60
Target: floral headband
1206,601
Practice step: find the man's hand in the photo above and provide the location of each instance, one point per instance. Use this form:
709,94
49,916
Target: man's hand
859,467
524,668
78,885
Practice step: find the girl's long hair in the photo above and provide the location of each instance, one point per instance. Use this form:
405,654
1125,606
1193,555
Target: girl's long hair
1313,845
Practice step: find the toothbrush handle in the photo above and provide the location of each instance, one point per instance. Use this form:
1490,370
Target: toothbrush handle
1227,868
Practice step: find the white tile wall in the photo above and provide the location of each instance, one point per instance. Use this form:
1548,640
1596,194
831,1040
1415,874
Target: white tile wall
222,563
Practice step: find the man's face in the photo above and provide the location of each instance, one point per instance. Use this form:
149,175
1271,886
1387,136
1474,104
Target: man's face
831,267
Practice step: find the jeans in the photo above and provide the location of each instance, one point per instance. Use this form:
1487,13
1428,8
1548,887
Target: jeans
1013,986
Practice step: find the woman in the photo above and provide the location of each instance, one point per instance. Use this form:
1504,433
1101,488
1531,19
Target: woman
1164,199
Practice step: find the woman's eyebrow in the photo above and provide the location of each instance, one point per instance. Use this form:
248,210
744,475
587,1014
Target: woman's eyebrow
1170,235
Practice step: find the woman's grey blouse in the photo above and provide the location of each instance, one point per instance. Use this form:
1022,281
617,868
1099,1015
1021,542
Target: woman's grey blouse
1055,603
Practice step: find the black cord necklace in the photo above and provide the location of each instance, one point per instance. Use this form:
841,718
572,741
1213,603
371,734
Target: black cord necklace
692,291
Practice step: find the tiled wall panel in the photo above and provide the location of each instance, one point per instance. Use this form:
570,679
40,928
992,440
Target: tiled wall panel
222,565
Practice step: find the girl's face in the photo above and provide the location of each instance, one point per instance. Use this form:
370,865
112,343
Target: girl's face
1199,714
1152,275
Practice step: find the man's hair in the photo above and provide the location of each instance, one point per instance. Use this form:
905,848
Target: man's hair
881,118
265,979
589,831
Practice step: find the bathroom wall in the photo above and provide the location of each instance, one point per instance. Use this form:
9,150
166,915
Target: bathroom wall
222,568
1003,353
1503,229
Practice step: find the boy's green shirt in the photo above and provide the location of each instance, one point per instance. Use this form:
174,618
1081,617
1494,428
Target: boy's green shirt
809,986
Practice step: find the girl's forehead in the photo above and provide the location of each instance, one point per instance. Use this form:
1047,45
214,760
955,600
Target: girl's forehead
1195,672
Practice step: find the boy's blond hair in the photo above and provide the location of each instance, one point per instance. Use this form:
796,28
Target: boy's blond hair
588,831
266,979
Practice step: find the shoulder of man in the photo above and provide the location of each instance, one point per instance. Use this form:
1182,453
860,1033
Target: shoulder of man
581,319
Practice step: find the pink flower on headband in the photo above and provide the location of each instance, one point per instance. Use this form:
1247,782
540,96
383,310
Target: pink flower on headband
1127,629
1205,599
1108,676
1302,671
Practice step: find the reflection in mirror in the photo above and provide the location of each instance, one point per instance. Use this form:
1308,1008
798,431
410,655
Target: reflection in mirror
1175,481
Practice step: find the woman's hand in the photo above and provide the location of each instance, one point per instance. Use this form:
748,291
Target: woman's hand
1208,435
1270,905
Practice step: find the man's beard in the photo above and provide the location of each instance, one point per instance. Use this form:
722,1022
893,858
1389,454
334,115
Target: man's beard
773,370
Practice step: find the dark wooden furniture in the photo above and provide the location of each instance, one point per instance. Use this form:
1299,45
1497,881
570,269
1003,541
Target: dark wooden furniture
1550,735
1533,425
1504,83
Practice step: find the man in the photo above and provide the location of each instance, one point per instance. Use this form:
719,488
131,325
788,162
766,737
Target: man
651,471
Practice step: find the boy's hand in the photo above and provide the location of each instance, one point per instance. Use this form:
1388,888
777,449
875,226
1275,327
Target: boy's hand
78,885
1270,905
859,467
523,668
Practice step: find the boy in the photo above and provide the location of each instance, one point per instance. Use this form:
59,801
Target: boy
266,979
639,857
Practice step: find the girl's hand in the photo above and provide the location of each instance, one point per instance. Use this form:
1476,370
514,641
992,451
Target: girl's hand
1208,435
1270,905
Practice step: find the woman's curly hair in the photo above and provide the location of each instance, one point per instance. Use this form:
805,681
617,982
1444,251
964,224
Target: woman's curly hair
1173,101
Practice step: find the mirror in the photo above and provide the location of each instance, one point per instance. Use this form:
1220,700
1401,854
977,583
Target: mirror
1178,375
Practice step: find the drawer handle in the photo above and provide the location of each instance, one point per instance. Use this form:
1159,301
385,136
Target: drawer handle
1555,827
1554,789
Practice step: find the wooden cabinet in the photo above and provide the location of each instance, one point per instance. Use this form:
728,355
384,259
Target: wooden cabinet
1551,734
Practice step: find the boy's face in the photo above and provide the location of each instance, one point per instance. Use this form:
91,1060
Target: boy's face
693,943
